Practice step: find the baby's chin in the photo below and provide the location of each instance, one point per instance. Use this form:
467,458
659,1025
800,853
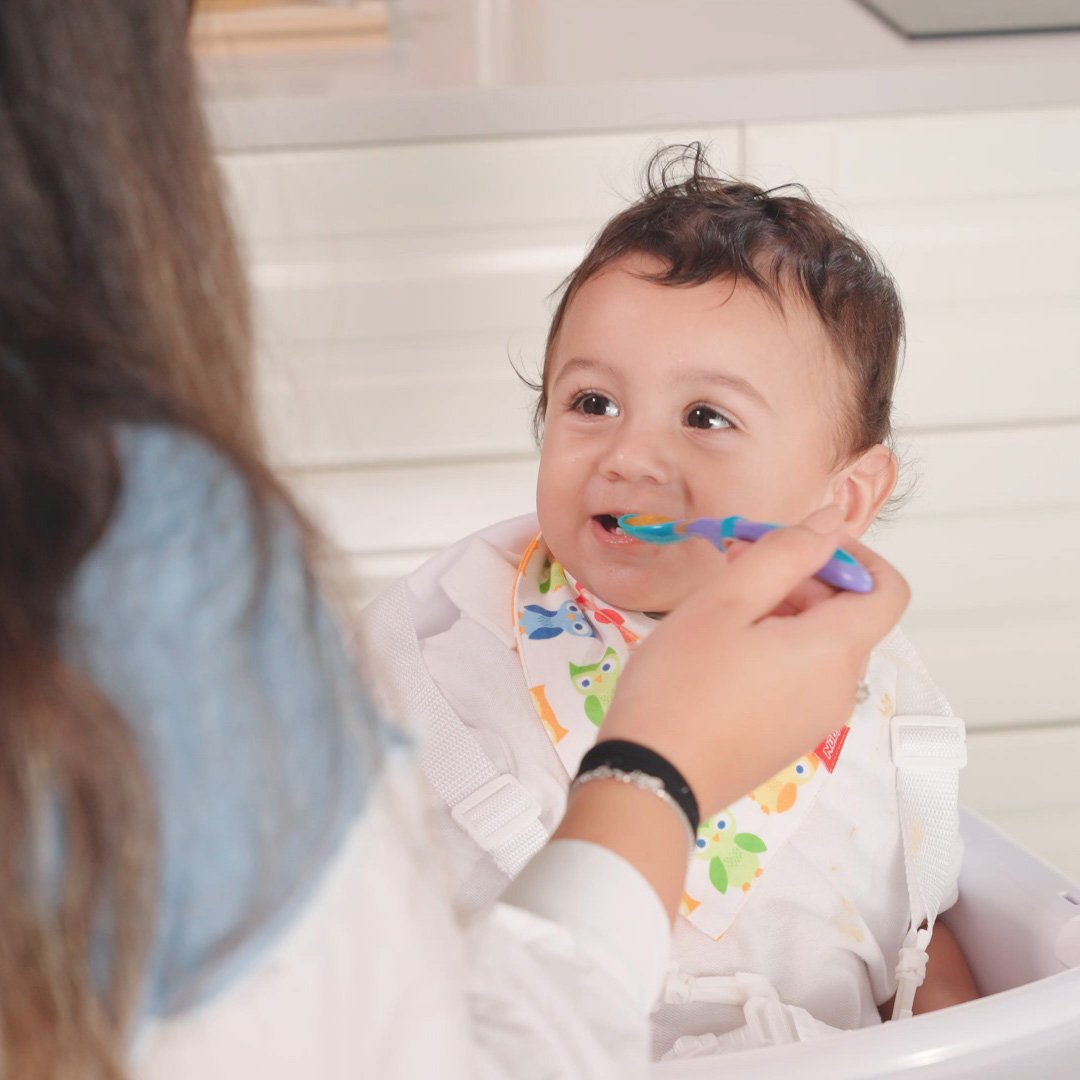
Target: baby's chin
632,596
650,604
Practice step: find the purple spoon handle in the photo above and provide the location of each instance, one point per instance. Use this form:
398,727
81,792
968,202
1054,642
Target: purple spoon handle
842,571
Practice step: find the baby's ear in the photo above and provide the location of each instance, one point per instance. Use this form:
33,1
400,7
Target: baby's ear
863,485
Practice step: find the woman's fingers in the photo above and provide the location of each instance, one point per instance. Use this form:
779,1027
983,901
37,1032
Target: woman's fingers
863,619
875,613
805,595
759,579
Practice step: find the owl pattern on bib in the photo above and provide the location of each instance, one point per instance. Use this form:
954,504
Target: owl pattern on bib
732,855
778,795
596,683
537,622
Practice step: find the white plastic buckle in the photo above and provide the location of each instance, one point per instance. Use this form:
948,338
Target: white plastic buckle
932,743
496,812
910,972
770,1021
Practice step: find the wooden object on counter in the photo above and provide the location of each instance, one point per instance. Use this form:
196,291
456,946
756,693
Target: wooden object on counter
263,26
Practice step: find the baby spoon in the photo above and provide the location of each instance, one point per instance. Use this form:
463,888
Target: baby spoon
842,571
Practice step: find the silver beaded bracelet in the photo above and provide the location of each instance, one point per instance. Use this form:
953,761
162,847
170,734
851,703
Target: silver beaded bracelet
639,779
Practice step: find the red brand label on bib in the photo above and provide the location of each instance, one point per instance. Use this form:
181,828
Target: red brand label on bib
829,751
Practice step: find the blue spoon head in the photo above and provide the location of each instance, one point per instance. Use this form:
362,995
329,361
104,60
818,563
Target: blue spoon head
651,527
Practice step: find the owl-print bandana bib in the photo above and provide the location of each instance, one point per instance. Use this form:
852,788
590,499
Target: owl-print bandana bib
573,648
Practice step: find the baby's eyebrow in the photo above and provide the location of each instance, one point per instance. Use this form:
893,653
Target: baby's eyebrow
585,364
722,378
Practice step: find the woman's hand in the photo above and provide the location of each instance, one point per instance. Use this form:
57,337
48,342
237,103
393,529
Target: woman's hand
744,676
759,665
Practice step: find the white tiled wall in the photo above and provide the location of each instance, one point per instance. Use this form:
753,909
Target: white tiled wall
399,286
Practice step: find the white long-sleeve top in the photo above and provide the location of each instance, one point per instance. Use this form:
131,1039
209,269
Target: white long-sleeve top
375,978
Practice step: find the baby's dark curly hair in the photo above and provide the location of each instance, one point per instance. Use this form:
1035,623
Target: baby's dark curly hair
704,227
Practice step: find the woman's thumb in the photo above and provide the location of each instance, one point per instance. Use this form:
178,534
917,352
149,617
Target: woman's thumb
771,568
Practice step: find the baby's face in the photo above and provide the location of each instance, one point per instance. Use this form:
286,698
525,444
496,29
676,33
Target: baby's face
698,401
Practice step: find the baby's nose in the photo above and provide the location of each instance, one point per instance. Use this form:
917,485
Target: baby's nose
640,453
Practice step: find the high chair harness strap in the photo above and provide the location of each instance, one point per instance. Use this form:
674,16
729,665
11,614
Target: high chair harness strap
493,807
928,750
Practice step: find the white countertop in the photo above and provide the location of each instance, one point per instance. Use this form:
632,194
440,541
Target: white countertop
457,69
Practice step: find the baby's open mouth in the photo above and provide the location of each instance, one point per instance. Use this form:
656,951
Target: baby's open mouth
609,523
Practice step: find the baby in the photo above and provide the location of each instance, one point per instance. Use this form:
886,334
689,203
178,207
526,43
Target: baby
720,350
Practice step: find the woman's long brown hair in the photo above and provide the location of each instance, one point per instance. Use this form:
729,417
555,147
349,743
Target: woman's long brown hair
121,298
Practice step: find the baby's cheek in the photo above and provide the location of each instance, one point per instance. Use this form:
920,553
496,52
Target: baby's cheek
548,503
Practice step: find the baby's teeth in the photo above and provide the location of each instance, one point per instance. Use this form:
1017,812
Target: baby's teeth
619,531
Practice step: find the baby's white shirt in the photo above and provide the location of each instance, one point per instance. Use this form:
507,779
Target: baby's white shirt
824,925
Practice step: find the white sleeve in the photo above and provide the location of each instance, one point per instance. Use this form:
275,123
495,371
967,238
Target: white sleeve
375,978
567,968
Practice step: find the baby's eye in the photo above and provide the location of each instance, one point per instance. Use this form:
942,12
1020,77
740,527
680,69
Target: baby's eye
596,405
705,416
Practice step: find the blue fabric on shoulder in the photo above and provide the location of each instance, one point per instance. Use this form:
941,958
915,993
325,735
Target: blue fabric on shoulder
260,741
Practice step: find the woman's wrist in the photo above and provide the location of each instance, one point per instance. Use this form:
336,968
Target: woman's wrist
635,763
645,782
634,824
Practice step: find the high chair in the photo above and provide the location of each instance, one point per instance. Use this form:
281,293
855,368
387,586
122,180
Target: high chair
1018,922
